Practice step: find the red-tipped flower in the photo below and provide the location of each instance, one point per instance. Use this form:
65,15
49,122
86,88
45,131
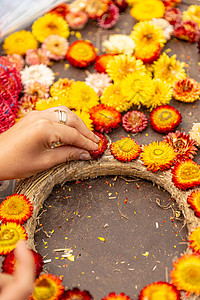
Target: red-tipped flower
76,294
159,290
103,143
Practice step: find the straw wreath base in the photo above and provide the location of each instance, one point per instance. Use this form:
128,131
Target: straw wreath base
39,186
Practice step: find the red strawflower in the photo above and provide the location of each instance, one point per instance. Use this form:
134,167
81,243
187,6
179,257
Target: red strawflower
159,290
102,61
9,263
187,31
113,296
171,3
103,143
76,294
134,121
121,4
105,118
194,200
183,145
165,118
110,18
186,174
60,10
173,15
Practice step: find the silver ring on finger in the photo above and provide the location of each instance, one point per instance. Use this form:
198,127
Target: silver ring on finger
62,116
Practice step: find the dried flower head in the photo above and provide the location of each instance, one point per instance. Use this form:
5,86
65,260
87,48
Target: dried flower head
195,133
134,121
119,44
173,15
147,10
37,57
125,149
192,13
16,60
47,286
75,293
193,200
186,273
49,24
186,90
113,296
19,42
183,145
96,8
77,20
9,263
186,174
158,156
188,31
109,18
159,290
10,234
39,73
102,61
55,47
194,238
98,82
60,10
103,143
167,28
16,208
105,118
81,54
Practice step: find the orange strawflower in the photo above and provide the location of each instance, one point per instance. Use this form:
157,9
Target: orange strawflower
125,149
159,290
194,200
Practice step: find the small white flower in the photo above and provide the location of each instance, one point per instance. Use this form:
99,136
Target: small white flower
195,133
119,44
98,81
167,28
39,73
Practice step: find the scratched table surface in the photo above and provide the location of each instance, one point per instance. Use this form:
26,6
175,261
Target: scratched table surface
141,238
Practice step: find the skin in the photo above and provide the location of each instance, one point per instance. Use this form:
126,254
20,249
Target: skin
26,146
26,149
19,285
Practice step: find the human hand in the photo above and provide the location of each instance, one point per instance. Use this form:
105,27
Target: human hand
19,285
26,148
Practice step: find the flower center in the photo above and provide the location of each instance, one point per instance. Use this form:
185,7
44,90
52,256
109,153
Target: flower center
82,51
7,235
126,145
158,152
14,207
52,26
165,115
44,290
190,172
191,274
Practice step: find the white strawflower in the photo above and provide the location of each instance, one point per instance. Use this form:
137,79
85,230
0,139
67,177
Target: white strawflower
195,133
119,44
40,73
98,81
167,28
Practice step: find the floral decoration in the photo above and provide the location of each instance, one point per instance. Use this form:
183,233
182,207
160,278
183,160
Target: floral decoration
15,208
192,13
165,118
158,156
188,31
173,15
182,275
19,42
114,296
36,57
102,61
186,174
75,293
55,47
61,87
77,20
36,88
10,234
110,18
125,149
119,44
193,200
16,60
183,145
186,90
49,24
194,240
81,54
96,8
103,143
98,81
9,263
48,287
195,133
147,10
105,118
159,290
134,121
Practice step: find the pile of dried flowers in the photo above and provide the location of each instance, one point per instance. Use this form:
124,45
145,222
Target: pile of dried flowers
133,71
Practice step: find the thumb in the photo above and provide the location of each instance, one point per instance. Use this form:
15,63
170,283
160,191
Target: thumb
68,153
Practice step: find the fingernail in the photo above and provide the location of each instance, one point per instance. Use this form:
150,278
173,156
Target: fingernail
85,156
97,138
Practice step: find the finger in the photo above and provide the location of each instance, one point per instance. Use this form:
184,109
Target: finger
5,279
74,121
67,153
70,136
25,269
